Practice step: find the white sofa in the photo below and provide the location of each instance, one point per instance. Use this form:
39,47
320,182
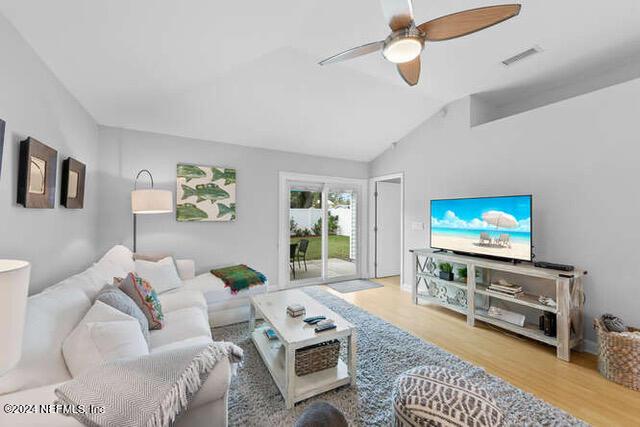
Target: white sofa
53,313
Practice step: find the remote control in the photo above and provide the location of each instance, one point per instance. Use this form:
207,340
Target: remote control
325,328
325,322
314,321
311,319
561,267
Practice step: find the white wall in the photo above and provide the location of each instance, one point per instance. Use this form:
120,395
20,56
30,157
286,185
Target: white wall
251,239
579,159
34,103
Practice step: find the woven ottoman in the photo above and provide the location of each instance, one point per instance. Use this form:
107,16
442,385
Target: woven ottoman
433,396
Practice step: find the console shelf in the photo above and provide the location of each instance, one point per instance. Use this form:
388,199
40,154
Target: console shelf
566,287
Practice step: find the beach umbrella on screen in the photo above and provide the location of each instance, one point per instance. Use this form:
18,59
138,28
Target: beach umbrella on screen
499,219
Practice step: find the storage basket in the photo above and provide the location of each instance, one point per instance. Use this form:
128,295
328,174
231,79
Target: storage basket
619,356
317,357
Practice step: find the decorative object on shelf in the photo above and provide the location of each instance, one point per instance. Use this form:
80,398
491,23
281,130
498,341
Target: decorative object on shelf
431,266
2,123
205,193
548,301
37,174
506,315
446,271
433,289
619,354
442,293
462,273
547,324
461,298
148,201
72,190
14,284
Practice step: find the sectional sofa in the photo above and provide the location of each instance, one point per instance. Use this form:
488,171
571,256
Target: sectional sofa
53,313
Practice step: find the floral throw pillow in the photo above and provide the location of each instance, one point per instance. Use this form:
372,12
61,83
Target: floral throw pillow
141,292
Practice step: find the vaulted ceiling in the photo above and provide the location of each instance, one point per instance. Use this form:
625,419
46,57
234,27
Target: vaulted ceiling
246,72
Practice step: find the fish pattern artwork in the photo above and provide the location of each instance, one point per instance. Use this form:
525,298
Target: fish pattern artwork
205,193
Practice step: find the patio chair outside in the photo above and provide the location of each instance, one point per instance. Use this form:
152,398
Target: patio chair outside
302,250
292,258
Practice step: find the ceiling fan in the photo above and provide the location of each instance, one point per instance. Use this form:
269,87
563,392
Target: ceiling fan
406,41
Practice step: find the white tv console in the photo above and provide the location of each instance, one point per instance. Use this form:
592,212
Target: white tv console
567,292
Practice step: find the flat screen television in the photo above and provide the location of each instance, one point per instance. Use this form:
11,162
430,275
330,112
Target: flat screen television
492,226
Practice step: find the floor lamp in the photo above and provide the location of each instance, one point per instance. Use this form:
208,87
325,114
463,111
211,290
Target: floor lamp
14,285
148,201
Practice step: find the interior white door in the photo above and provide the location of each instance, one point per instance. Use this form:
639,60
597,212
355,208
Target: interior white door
388,228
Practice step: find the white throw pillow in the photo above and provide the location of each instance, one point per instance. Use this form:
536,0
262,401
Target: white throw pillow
118,339
161,275
83,349
119,255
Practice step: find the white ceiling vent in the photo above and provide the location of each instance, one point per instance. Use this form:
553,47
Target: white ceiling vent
522,55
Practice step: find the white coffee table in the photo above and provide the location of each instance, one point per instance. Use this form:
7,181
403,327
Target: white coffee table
292,334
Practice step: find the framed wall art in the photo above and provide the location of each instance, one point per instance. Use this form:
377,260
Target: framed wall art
72,189
37,174
205,193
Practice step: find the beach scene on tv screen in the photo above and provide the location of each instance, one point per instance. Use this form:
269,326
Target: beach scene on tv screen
496,226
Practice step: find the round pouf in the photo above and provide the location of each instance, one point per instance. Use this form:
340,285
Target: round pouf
433,396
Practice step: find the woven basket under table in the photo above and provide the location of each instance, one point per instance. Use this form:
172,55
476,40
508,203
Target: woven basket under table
317,357
619,356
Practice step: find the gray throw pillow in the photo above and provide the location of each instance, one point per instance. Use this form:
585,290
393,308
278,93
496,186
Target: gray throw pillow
117,299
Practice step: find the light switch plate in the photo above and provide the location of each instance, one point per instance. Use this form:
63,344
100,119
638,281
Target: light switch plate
417,226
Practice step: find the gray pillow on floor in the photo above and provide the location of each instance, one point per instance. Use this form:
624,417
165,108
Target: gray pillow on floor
117,299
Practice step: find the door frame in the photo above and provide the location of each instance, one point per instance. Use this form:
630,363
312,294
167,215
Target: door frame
362,203
372,222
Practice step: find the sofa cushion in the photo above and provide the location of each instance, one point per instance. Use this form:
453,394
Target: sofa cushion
82,348
143,294
182,298
180,325
162,275
201,340
50,317
117,299
120,256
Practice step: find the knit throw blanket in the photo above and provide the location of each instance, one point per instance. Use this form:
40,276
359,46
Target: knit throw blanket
147,391
238,277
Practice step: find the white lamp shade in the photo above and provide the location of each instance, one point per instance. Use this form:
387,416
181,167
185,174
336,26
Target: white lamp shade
151,201
14,285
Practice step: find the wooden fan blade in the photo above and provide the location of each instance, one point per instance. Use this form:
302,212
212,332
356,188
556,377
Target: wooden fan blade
399,13
353,53
467,22
410,71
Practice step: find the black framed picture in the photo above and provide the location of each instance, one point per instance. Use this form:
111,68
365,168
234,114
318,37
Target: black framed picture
72,190
37,174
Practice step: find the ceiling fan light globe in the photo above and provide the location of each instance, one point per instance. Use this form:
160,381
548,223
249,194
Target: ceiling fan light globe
402,50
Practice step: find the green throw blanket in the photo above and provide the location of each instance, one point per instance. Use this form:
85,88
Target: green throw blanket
238,277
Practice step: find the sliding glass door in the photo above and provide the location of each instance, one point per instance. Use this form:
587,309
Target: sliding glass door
322,234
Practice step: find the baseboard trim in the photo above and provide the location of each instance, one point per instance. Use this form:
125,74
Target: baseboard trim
589,346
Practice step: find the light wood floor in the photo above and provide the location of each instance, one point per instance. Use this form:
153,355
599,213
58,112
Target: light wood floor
576,387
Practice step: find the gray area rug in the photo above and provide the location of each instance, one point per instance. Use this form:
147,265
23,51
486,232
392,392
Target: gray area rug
354,286
383,352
